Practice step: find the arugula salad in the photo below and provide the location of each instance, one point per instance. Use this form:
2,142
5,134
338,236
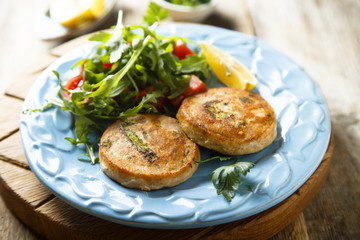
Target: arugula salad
134,70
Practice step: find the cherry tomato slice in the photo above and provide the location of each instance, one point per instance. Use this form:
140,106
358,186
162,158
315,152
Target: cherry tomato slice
160,103
107,65
176,102
181,50
144,92
195,86
72,84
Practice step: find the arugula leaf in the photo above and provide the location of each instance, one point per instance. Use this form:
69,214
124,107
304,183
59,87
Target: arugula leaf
195,64
104,87
42,109
82,132
135,110
226,179
116,42
181,84
154,14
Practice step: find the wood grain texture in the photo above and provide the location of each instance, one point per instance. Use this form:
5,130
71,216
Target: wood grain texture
10,223
323,37
19,86
336,210
9,122
10,151
19,45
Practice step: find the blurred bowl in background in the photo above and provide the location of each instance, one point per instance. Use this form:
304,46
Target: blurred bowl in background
48,29
187,13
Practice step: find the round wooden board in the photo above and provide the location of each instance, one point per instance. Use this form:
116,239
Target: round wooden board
39,209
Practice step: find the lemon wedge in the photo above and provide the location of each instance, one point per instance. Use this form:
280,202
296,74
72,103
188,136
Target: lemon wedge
228,69
72,13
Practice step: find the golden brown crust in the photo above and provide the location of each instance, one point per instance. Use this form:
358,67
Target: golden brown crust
228,120
148,152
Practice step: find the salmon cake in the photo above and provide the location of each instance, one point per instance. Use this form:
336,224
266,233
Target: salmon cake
228,120
148,152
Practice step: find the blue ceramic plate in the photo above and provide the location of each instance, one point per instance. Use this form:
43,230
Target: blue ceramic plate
303,137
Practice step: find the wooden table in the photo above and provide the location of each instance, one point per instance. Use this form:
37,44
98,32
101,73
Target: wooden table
321,36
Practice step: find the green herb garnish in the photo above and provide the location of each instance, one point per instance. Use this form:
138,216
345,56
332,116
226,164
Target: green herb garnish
227,179
155,14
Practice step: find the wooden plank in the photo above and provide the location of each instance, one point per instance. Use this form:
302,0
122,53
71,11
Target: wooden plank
10,121
22,192
11,150
22,82
323,37
21,184
335,211
296,230
92,228
70,45
328,49
20,85
8,222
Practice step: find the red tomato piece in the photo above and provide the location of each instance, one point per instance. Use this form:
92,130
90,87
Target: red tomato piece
107,65
195,86
181,50
161,102
176,102
144,92
72,84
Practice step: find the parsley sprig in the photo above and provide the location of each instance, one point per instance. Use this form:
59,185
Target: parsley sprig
227,179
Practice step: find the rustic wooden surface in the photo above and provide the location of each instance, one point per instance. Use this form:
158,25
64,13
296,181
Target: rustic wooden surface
322,36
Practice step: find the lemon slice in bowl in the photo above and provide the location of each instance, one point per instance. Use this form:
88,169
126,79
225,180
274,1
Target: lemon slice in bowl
72,13
228,69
